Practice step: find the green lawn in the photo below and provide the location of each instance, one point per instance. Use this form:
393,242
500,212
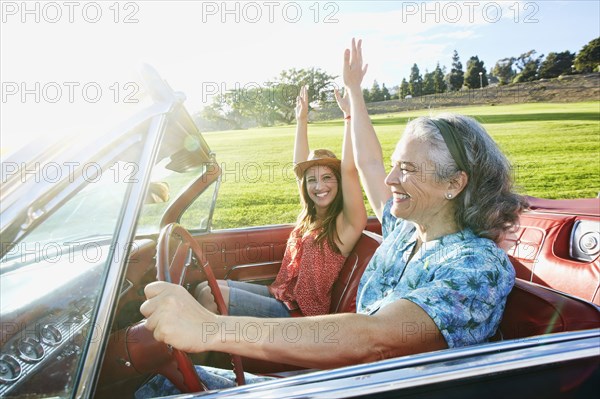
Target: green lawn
555,150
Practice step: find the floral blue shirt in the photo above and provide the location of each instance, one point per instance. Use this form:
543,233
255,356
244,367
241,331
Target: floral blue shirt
460,280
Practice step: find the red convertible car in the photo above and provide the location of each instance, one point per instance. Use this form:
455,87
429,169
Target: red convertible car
86,226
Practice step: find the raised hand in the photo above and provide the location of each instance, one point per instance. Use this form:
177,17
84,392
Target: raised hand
342,102
302,104
353,66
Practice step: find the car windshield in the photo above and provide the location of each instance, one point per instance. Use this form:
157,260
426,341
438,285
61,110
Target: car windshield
56,274
60,268
100,202
172,183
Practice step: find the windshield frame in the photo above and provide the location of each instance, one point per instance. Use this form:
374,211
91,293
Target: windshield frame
107,301
156,131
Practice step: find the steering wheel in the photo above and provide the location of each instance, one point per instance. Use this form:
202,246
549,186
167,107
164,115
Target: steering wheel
143,352
175,272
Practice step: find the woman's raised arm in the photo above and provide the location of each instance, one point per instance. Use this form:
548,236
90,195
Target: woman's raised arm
353,219
301,149
367,150
301,144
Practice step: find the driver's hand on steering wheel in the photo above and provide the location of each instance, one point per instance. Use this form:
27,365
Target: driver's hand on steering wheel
176,318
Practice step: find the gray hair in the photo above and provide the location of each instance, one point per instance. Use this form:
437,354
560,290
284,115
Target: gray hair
487,205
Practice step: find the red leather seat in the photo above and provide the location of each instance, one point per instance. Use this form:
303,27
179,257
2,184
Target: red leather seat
343,294
539,249
532,309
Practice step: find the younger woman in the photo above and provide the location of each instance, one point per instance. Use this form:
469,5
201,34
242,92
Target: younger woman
330,224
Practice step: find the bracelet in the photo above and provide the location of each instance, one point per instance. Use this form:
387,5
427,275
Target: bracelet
347,117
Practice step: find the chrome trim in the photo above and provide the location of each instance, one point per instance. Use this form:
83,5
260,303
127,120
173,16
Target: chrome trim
92,360
24,353
444,372
11,361
213,203
50,335
577,233
250,266
66,328
125,287
427,368
451,354
572,238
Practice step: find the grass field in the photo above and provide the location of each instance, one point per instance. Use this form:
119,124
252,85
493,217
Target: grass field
554,148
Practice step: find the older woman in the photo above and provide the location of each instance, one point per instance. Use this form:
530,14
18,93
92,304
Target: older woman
443,206
438,279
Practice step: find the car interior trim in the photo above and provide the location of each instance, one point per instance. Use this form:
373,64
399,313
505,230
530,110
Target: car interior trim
92,360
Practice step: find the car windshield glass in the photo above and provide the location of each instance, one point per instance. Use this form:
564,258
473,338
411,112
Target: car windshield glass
51,281
184,156
172,183
100,201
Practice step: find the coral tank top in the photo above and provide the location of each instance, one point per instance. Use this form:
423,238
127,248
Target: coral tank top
307,274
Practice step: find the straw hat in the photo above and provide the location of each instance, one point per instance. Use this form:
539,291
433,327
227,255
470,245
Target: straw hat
317,157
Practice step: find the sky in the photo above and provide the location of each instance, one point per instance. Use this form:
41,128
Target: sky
73,66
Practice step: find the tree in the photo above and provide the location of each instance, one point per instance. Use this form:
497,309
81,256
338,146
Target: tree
236,109
504,71
457,76
588,59
492,80
528,67
556,64
472,78
255,103
385,93
404,88
214,117
415,82
272,103
319,82
428,84
281,102
375,94
439,84
366,95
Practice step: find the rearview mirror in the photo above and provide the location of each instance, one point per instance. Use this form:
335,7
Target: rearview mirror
158,193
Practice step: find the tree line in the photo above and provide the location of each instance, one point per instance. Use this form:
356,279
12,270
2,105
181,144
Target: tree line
273,102
525,68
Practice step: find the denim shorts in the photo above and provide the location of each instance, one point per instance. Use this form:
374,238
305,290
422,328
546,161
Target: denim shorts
246,299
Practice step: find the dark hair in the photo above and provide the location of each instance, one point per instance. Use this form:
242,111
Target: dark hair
487,205
307,220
